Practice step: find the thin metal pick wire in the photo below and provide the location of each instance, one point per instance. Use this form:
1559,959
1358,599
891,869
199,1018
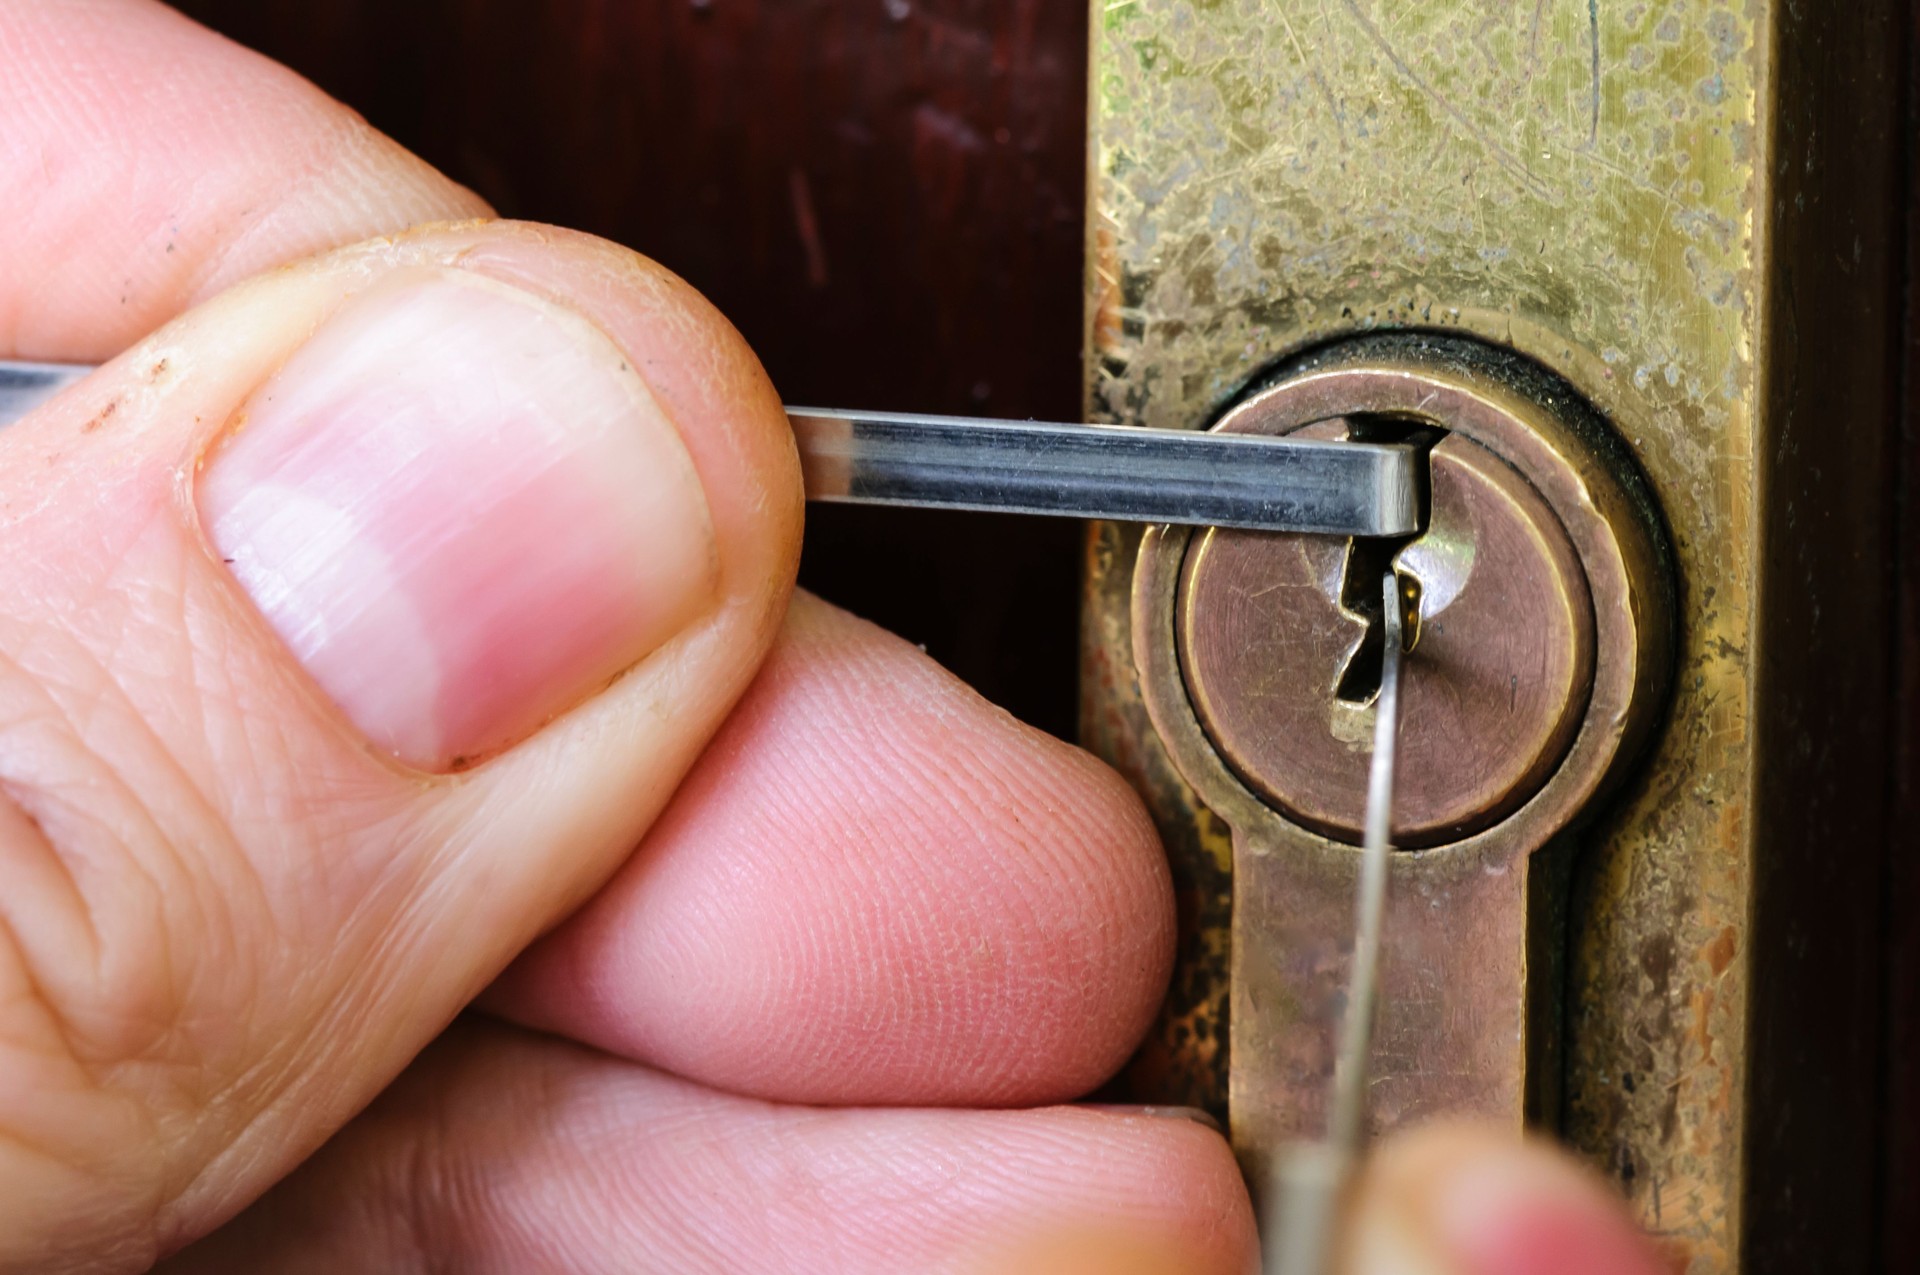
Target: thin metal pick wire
1363,984
1310,1178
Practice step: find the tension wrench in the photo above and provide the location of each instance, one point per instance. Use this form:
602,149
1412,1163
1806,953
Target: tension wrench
1182,477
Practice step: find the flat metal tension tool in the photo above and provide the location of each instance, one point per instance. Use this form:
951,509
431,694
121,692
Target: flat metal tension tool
1181,477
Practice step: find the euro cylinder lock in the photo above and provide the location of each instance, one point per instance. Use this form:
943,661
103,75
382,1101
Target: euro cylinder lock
1537,604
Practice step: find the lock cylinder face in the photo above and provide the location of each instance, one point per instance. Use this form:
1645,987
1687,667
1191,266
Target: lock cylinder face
1538,588
1279,647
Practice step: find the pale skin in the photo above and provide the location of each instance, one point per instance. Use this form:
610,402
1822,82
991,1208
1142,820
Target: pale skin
765,946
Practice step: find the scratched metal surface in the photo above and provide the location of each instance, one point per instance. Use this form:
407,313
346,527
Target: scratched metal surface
1596,184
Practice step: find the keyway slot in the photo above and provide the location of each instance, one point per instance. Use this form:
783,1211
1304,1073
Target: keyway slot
1370,557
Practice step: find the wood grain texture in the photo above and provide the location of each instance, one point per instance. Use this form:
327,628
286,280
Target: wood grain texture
884,195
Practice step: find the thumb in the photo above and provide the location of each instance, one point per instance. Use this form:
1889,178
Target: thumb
352,628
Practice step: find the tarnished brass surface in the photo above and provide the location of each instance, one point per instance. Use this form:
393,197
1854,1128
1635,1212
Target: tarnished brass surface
1267,639
1461,1000
1684,207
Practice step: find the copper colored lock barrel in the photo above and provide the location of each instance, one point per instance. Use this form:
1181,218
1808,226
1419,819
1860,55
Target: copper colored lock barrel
1505,643
1542,608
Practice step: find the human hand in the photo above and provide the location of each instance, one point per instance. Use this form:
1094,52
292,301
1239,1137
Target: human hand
357,625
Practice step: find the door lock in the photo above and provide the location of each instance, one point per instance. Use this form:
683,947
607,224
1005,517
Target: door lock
1543,601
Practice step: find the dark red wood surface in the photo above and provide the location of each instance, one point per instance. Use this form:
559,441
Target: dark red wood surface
1900,1160
884,195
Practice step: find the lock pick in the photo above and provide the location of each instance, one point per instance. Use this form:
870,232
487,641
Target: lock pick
1312,1178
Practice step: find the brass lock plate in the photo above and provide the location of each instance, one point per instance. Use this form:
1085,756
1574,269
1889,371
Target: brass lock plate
1687,209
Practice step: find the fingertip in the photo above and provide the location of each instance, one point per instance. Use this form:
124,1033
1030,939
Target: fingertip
1178,1206
875,887
1471,1199
502,1150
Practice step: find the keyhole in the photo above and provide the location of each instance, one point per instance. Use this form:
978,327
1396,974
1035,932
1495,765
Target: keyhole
1370,557
1360,679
